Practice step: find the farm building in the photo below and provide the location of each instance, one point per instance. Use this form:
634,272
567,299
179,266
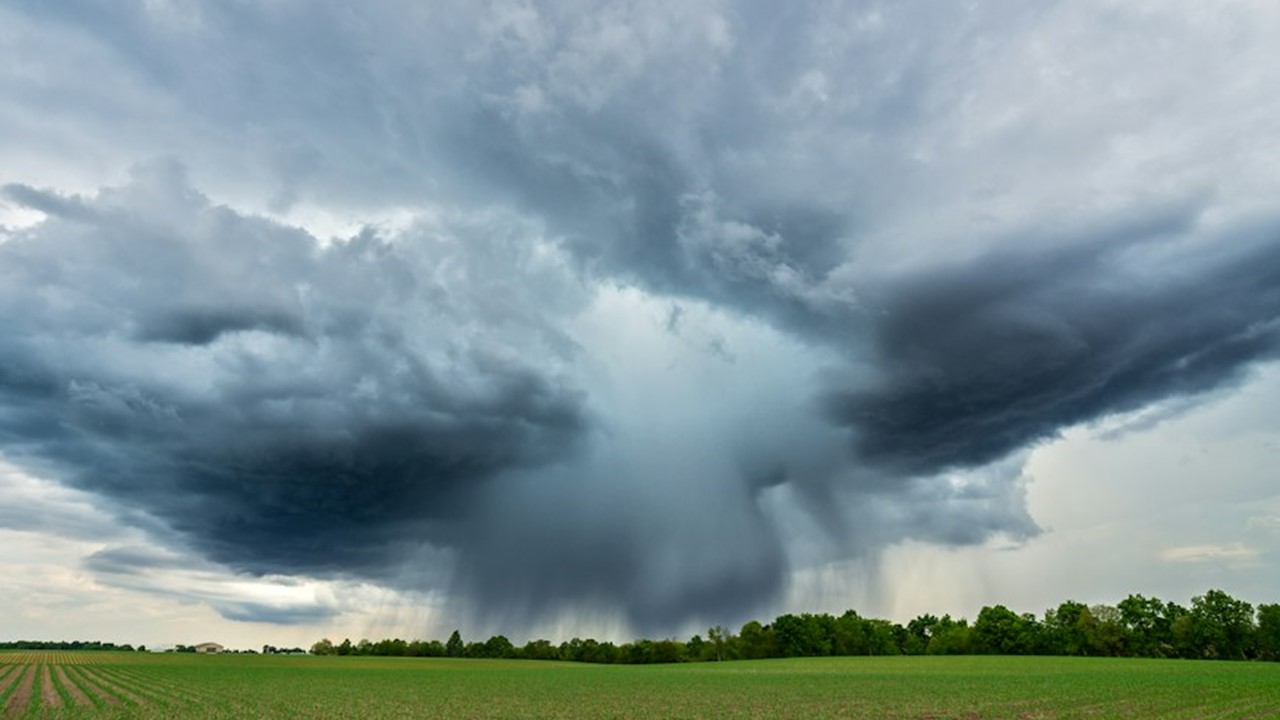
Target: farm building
209,647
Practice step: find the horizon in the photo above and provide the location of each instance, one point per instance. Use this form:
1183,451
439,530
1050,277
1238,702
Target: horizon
732,633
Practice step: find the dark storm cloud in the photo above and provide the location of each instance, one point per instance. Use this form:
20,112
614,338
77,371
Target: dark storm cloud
995,354
265,613
201,326
305,422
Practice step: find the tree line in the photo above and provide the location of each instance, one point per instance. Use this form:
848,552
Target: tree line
1215,626
65,645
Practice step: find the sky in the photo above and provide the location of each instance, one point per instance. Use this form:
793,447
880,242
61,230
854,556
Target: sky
630,318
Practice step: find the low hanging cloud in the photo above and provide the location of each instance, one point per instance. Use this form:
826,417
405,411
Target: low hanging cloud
678,292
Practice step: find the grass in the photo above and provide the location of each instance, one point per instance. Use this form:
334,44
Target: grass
146,685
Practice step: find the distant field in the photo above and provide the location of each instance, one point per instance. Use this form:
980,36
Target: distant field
70,684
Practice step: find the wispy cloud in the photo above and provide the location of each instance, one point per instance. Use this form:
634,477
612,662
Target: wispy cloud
1234,554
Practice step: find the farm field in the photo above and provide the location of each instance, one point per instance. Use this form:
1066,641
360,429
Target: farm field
101,684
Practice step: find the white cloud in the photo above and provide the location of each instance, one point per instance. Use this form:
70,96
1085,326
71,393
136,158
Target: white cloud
1266,523
1234,554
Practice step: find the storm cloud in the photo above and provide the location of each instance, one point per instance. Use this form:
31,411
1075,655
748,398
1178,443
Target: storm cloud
997,353
287,406
613,309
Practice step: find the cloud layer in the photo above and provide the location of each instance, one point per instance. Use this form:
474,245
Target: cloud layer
642,308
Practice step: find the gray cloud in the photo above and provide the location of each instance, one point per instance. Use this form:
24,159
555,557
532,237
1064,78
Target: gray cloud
998,353
967,228
306,423
191,579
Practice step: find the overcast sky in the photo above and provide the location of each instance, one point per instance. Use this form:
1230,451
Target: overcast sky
630,318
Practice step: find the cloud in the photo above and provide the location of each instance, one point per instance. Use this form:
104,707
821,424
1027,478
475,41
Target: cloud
676,300
1265,523
1233,554
996,354
261,394
155,571
29,504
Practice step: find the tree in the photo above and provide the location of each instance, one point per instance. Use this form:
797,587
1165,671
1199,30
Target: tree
454,647
719,638
951,637
884,637
540,650
1065,629
324,647
1221,626
757,641
804,635
999,630
499,646
1106,634
1268,635
919,631
850,636
1148,624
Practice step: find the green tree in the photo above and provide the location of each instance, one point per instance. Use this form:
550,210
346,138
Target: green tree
851,635
540,650
999,630
1148,624
719,639
884,637
1221,626
1106,633
1065,629
756,641
454,646
499,646
951,637
599,652
1268,635
324,647
919,632
804,635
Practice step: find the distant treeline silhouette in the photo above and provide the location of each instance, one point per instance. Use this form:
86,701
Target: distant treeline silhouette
63,645
1216,626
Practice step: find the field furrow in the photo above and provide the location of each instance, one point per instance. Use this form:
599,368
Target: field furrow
94,691
21,697
73,690
49,696
8,680
114,688
165,691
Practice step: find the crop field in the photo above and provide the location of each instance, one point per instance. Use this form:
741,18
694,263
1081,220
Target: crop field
103,684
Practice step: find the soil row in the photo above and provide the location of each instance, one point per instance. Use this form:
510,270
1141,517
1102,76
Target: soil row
21,697
50,687
166,692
